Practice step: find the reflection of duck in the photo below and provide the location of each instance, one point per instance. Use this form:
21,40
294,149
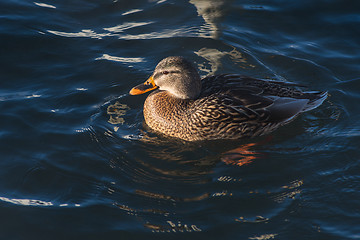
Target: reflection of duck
212,11
218,107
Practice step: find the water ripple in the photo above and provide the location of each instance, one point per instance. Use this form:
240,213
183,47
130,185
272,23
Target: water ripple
44,5
74,145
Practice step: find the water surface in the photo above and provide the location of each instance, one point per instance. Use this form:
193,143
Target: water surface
77,162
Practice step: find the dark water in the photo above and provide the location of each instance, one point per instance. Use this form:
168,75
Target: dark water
78,163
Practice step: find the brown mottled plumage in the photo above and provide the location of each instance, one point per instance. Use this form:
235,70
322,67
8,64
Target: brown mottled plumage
224,106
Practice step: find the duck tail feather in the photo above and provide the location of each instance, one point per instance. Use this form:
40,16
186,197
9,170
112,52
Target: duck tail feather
316,101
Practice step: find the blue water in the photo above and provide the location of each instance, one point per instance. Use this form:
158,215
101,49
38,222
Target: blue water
77,162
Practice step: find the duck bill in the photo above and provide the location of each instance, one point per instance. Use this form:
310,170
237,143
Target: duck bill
144,87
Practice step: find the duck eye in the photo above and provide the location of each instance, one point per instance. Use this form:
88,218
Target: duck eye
165,72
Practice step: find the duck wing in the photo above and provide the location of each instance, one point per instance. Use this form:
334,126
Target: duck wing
225,82
252,99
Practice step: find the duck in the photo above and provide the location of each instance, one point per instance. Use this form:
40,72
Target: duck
224,106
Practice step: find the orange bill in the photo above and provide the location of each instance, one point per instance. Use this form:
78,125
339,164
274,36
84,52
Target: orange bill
144,87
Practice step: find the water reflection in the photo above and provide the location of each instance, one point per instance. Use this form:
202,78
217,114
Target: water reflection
45,5
168,33
36,202
116,112
289,191
212,11
215,59
172,227
171,198
26,202
165,226
168,176
88,33
240,156
132,11
121,59
257,219
264,236
125,26
171,160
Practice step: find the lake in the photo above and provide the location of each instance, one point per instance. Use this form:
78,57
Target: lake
78,162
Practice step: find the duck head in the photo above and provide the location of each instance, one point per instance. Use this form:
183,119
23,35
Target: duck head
175,75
